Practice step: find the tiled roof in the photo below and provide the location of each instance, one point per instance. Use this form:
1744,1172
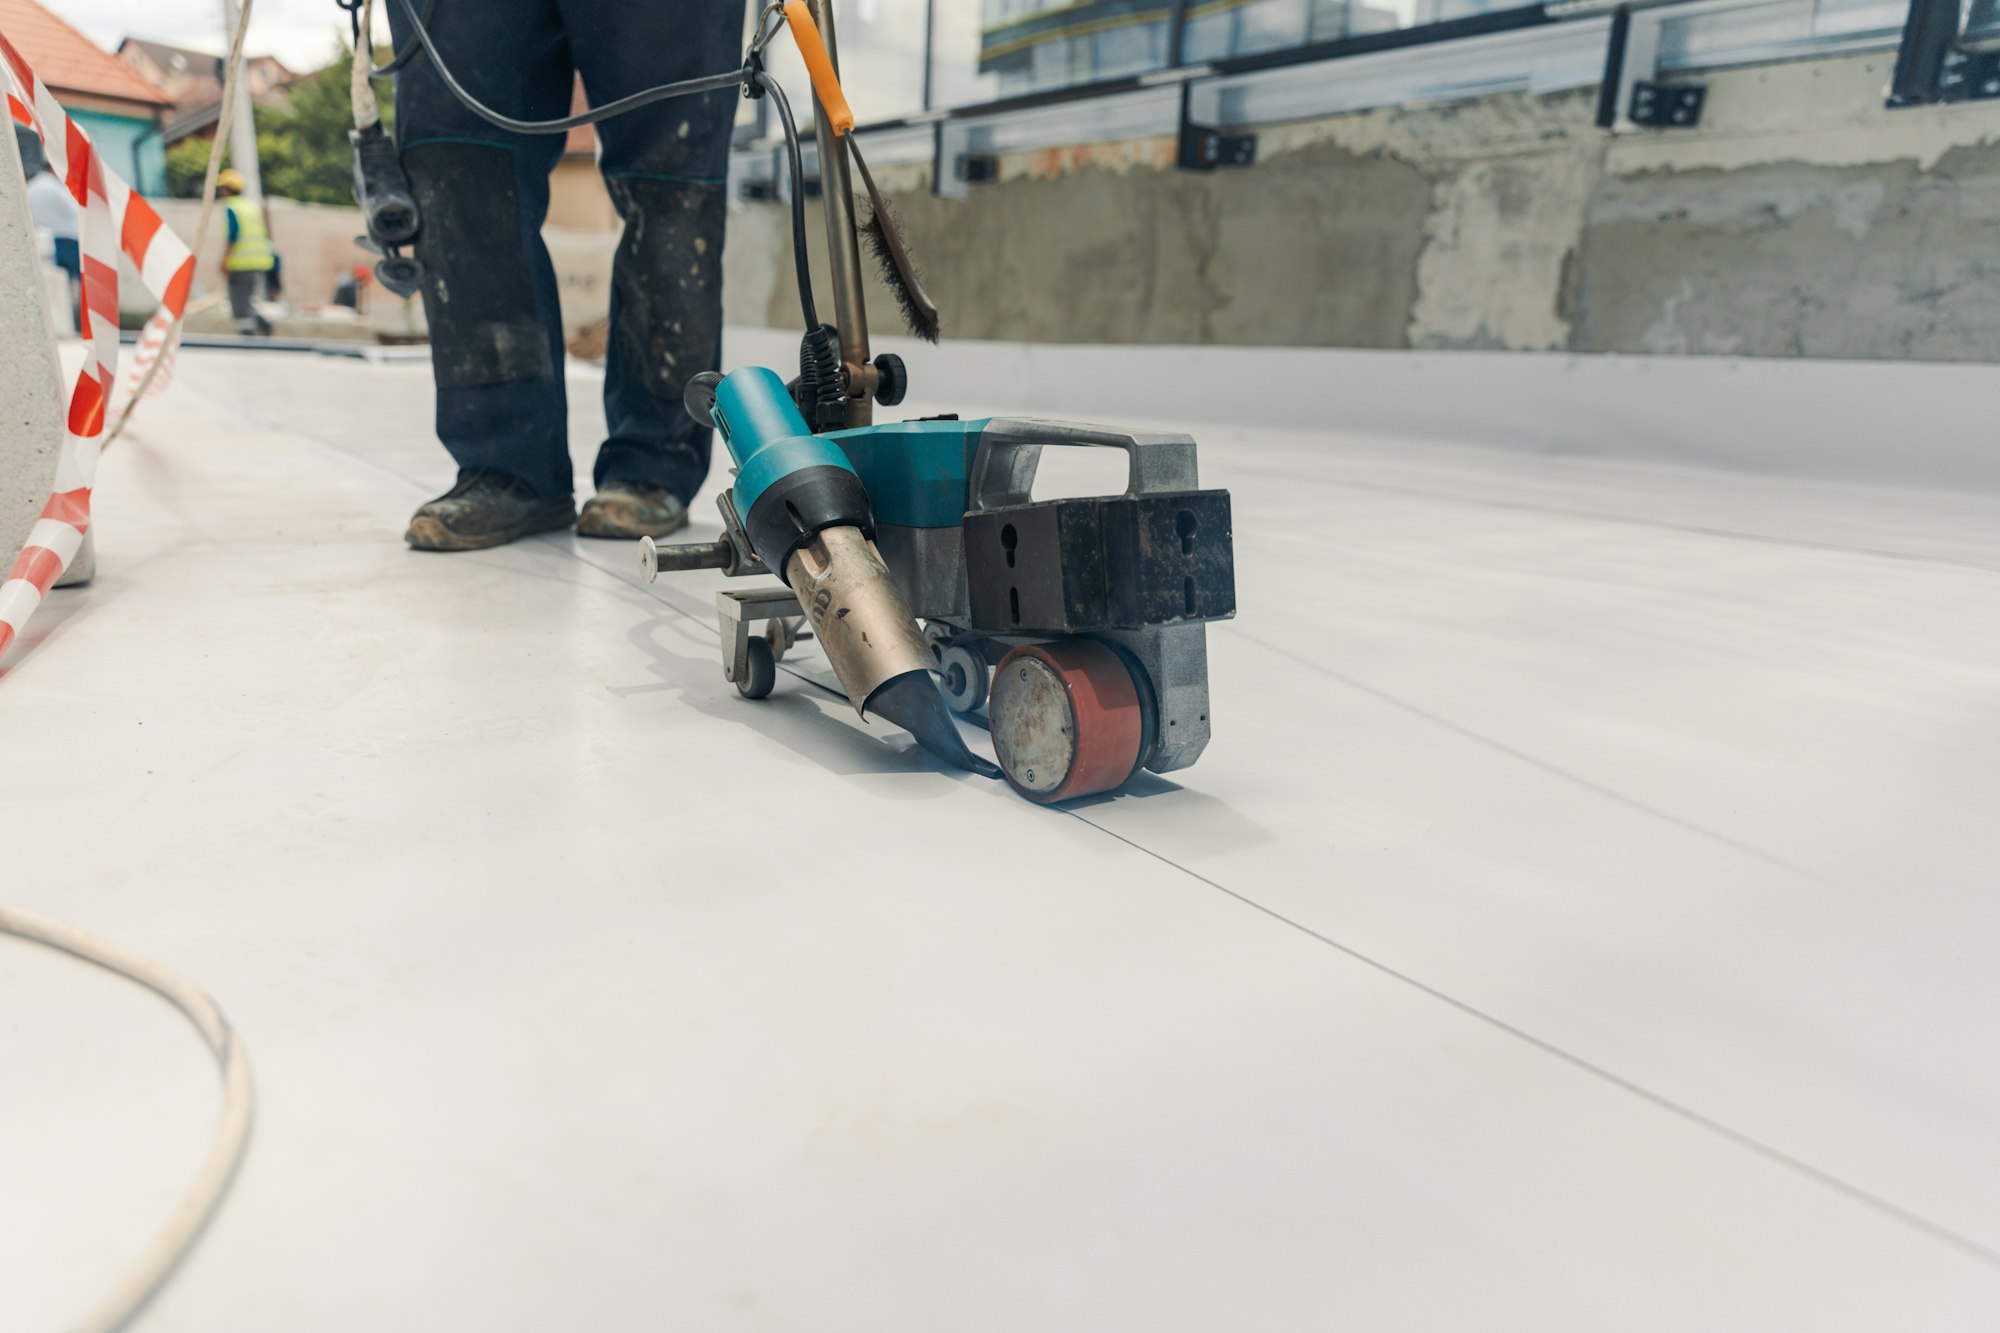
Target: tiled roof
163,55
69,62
186,58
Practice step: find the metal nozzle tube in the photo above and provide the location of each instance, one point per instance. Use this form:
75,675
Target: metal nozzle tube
857,612
866,629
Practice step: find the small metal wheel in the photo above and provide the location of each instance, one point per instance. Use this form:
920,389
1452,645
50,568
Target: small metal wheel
963,677
1066,720
763,673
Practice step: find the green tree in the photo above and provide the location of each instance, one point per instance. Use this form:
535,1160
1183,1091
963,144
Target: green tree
302,149
187,163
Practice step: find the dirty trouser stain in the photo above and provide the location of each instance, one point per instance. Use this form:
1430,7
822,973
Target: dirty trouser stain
666,327
491,297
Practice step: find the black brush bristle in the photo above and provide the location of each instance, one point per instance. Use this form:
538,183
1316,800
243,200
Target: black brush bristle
919,320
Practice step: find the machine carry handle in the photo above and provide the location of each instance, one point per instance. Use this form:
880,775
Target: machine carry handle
1010,452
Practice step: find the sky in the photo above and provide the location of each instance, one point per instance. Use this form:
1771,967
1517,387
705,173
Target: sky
302,33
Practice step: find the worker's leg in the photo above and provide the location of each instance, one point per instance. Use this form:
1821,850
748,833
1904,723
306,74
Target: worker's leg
242,295
69,258
666,167
260,291
489,290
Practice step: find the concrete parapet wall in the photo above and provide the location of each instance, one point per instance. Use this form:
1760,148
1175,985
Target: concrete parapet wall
1874,423
1801,218
31,399
318,246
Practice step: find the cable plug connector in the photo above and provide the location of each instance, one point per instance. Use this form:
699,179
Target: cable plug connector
753,58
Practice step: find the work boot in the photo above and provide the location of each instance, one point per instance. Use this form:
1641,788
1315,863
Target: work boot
486,508
628,509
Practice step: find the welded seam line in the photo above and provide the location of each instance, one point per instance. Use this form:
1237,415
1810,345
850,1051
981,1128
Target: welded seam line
1460,729
1855,1193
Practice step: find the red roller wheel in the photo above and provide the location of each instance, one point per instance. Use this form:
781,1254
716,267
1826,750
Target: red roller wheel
1066,719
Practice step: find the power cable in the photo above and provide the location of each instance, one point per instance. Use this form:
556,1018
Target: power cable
198,1203
709,83
750,76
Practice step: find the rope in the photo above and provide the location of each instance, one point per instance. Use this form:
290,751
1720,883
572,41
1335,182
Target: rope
115,219
197,1205
170,336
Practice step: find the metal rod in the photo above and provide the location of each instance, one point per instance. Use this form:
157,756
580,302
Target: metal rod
1177,35
655,560
930,40
843,261
242,125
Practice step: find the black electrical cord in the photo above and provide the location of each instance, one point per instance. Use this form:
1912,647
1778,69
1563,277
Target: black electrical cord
750,77
711,83
795,161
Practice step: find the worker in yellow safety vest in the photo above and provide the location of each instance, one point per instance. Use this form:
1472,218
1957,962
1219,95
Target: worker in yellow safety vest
248,260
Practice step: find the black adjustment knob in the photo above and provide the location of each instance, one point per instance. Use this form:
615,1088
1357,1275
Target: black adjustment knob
699,397
892,381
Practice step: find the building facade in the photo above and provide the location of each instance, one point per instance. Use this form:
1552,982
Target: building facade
118,107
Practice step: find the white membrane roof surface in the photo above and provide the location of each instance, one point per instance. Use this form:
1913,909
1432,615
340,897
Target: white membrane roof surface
1582,919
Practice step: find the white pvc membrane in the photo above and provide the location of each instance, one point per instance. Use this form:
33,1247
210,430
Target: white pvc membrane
1581,919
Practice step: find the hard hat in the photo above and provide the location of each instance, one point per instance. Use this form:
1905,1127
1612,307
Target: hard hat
230,179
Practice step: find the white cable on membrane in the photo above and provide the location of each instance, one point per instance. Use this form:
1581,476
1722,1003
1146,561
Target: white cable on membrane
115,220
198,1204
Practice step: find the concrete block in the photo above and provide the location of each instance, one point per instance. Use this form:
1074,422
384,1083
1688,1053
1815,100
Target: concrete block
31,396
56,288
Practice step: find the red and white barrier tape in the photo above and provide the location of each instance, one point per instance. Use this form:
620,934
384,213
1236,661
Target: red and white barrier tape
114,220
152,346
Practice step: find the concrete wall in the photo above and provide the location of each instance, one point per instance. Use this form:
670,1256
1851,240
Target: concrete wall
31,397
317,242
1800,219
578,200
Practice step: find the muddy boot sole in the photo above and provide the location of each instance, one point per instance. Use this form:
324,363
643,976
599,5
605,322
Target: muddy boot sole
428,532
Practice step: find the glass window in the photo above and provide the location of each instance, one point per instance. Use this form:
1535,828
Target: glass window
1219,28
882,56
881,45
1005,48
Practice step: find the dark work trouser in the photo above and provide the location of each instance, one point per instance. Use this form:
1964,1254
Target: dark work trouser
490,294
246,288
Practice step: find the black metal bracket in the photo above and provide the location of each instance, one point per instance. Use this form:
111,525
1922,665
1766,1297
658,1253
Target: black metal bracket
1667,106
1959,76
1204,148
1944,59
1928,63
1982,76
1614,67
978,168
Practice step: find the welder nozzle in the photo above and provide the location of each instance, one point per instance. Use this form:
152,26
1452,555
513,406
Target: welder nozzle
866,629
912,702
